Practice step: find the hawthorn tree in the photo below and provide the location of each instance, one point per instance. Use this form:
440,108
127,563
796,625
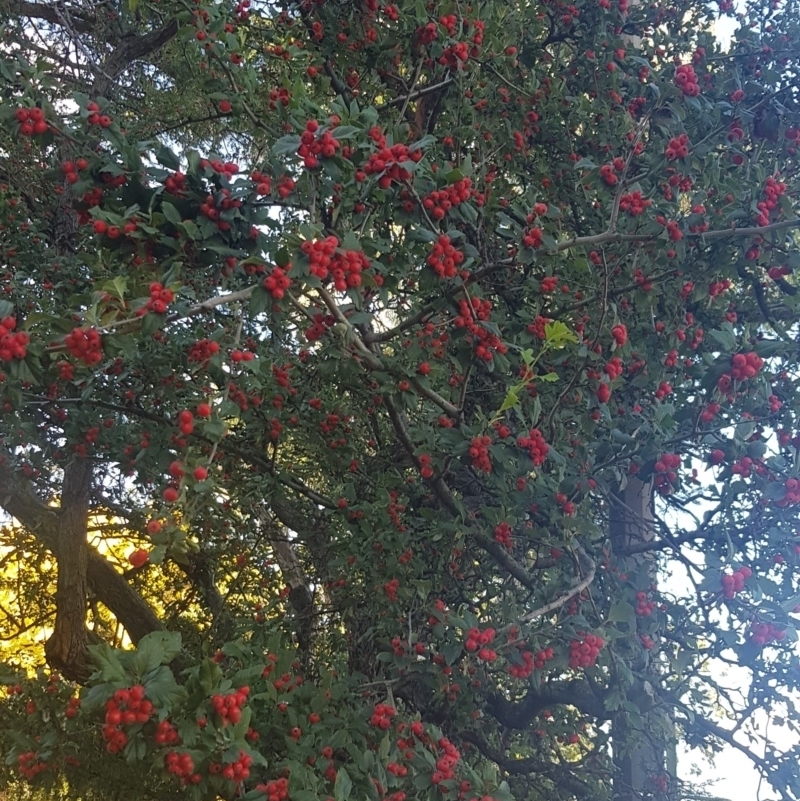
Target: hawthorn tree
433,367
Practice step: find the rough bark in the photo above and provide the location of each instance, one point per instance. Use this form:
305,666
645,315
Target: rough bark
645,753
131,50
66,648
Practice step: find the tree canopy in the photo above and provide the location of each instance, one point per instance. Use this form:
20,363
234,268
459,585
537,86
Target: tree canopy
397,401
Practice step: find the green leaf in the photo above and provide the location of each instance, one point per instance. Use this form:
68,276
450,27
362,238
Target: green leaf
622,612
166,157
343,785
557,334
171,212
108,663
285,145
511,400
117,287
156,648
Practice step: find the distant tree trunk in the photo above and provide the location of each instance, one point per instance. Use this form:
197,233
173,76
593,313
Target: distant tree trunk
66,649
645,755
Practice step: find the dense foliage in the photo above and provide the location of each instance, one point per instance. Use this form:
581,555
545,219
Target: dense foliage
414,385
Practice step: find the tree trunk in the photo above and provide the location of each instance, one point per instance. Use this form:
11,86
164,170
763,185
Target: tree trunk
66,648
645,757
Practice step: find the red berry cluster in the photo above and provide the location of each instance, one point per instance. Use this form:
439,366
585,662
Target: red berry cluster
31,121
446,764
390,589
262,181
745,365
12,346
566,505
479,453
182,766
470,316
73,707
85,344
620,334
535,445
275,791
440,201
733,583
312,145
236,771
583,653
772,191
607,173
277,282
686,80
345,267
139,557
766,633
166,734
71,169
212,208
202,351
644,607
287,682
127,707
225,168
397,770
664,389
425,469
666,477
282,96
386,161
29,765
548,284
634,203
530,662
454,56
716,288
160,298
102,228
532,238
425,34
185,422
229,707
613,368
537,327
477,640
320,324
677,148
381,717
95,117
502,534
791,493
444,258
175,184
450,23
744,467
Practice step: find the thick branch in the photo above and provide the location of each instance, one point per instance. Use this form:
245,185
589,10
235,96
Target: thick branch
132,50
80,20
19,500
575,692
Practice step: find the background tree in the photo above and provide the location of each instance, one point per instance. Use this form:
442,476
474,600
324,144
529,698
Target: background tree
397,347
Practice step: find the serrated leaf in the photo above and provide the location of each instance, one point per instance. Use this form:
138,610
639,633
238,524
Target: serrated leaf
511,400
622,612
286,144
343,785
558,334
